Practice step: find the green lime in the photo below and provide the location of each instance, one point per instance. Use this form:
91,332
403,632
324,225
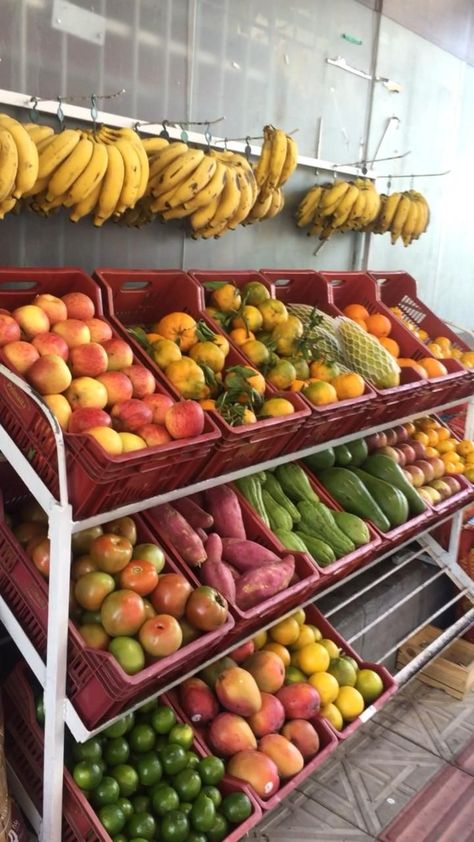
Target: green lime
236,807
119,838
116,751
149,769
141,803
186,807
143,825
87,775
118,729
293,675
163,719
107,792
126,806
196,837
219,830
161,741
149,707
142,738
102,765
174,827
211,770
203,814
129,653
126,778
173,758
164,799
193,760
137,839
214,794
90,750
187,784
112,818
40,710
182,735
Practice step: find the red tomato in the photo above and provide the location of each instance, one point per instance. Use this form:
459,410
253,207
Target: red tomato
24,532
111,552
122,613
40,556
91,590
171,594
139,576
32,543
124,526
149,610
95,636
206,609
161,636
82,565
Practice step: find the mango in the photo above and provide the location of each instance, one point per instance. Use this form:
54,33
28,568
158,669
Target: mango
242,652
300,700
256,769
267,669
198,701
211,673
230,734
238,691
302,735
269,718
286,757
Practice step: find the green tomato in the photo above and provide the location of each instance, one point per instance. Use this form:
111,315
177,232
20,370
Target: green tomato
149,707
126,806
164,799
87,775
214,794
129,653
163,719
203,814
193,760
112,818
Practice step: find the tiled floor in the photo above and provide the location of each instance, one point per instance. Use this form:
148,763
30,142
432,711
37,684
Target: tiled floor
372,777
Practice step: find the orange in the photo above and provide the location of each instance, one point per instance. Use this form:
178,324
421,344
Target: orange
467,359
427,423
208,403
443,434
422,438
432,438
153,337
297,385
279,650
249,417
282,375
390,345
361,323
378,325
350,385
180,328
443,341
321,370
436,350
256,351
431,451
465,447
250,318
274,407
274,313
423,335
356,311
456,353
257,382
448,446
164,352
226,298
188,378
239,335
405,362
320,393
433,367
222,342
285,632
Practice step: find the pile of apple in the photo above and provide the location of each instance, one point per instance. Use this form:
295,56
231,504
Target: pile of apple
88,378
427,468
122,599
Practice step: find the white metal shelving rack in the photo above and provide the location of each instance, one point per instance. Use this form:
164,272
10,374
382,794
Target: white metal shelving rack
52,673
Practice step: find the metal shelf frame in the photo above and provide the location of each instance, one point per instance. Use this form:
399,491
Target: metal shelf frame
52,675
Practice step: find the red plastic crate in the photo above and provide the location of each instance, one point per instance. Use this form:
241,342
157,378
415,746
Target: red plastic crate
140,296
97,686
398,289
349,287
25,745
305,582
97,482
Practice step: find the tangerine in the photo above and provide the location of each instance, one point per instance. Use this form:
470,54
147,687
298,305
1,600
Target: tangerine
321,370
208,403
350,385
320,393
436,350
207,353
465,447
256,351
222,342
180,328
282,375
356,311
274,407
164,352
379,325
433,368
226,298
249,417
405,362
390,345
443,342
240,335
467,359
456,354
250,318
433,438
274,313
443,434
361,323
297,385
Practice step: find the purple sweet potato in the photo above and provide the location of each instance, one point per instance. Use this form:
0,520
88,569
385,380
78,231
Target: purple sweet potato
257,585
247,555
178,533
193,513
214,547
217,575
223,504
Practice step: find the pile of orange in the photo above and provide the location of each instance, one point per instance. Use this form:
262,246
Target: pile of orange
458,456
379,326
441,347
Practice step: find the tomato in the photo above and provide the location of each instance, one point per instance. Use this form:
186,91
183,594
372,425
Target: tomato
40,556
112,818
90,617
39,708
150,552
126,778
142,825
32,543
111,552
122,613
24,532
139,576
124,526
107,792
188,632
163,719
82,565
149,610
90,590
160,636
171,594
214,794
128,653
81,541
206,609
87,774
141,738
94,636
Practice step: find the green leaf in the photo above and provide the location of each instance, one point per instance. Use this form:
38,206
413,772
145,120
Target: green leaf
214,284
140,336
204,332
243,370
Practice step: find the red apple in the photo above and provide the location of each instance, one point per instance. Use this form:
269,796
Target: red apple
32,320
54,308
154,434
83,419
49,375
50,343
86,392
9,330
185,419
427,469
143,381
408,453
401,433
119,354
400,457
159,405
20,356
391,437
419,449
442,488
453,483
438,466
118,385
99,330
79,306
415,475
90,360
129,416
73,331
391,452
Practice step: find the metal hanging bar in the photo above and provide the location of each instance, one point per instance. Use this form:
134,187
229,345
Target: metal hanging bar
416,175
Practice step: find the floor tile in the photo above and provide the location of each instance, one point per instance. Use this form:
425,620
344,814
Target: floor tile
465,759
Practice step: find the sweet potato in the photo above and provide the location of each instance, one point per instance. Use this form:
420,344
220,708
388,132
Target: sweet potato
194,514
257,585
214,547
247,555
178,533
217,575
223,504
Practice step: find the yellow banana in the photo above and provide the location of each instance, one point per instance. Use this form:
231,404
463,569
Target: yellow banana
389,212
276,205
316,229
358,208
277,159
38,133
110,187
152,145
291,160
203,215
144,165
209,233
55,150
229,200
86,205
409,227
164,158
308,206
8,164
262,166
176,172
27,155
246,198
6,206
260,209
334,194
210,192
372,206
90,177
345,206
196,182
400,218
70,169
423,213
132,175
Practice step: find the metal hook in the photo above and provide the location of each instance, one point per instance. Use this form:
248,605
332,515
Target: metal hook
34,110
94,112
320,247
184,135
389,184
248,148
225,144
208,135
60,113
165,133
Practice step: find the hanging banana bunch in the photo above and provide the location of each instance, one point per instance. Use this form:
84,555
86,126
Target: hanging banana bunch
278,160
339,206
18,163
405,215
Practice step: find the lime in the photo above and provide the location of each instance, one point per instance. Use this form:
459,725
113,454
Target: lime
350,703
211,770
149,769
119,838
149,707
203,814
87,775
39,707
343,671
107,792
126,778
141,803
143,825
293,675
118,729
163,719
126,806
186,807
214,794
219,829
193,760
90,750
164,800
112,818
369,684
182,735
128,653
174,827
236,807
196,837
187,784
161,741
173,758
142,738
351,661
116,751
